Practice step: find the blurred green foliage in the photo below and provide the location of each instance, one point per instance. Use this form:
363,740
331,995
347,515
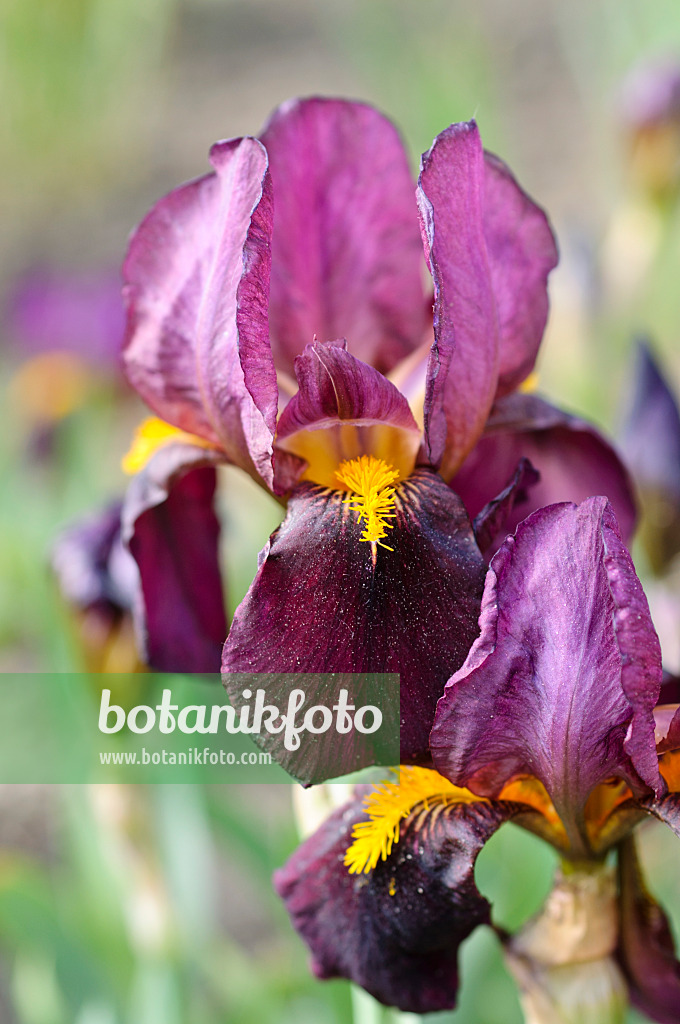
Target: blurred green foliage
70,73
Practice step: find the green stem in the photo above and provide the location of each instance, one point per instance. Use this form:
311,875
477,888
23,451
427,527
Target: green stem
365,1009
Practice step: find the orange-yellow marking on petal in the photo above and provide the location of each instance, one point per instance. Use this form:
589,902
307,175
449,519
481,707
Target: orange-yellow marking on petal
324,448
669,766
527,789
605,798
151,435
389,804
369,480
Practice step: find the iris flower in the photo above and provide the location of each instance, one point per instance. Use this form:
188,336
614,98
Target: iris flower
278,321
553,721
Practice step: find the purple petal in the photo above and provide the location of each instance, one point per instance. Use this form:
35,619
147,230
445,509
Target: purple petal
196,289
562,681
173,532
646,951
397,931
573,460
323,606
522,251
324,757
462,374
74,312
650,442
666,809
346,251
357,409
338,389
490,524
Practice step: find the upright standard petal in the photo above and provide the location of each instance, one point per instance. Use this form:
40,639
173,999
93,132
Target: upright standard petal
562,681
324,604
462,374
197,279
171,529
346,252
397,931
573,459
522,251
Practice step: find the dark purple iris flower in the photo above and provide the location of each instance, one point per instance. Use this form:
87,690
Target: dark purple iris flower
553,721
277,317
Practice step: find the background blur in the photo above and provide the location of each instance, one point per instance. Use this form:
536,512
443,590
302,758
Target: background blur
154,906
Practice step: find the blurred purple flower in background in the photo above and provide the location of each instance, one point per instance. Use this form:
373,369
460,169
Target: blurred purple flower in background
649,105
99,580
67,311
311,232
650,441
66,328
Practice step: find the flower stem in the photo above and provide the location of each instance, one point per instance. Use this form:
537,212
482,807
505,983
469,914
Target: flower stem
562,960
